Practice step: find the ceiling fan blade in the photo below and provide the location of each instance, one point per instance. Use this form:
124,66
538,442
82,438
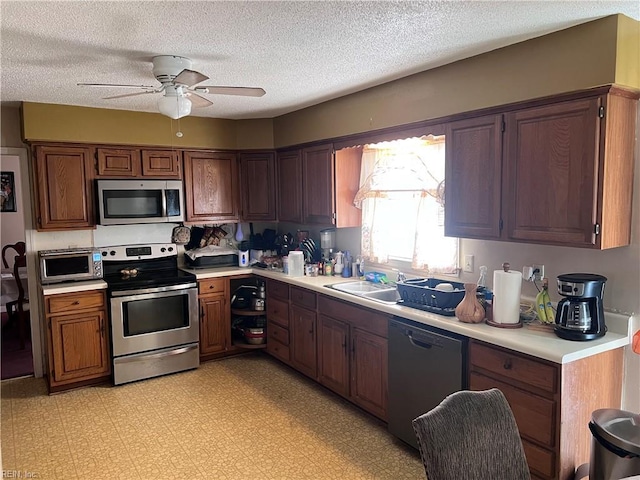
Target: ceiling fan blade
113,85
130,94
220,90
189,78
198,101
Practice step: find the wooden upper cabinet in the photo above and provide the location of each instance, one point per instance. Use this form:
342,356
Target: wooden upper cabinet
289,171
257,173
125,162
569,174
551,173
63,187
348,163
118,162
473,151
161,163
318,185
566,176
211,186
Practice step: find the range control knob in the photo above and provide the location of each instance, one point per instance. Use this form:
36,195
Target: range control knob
163,249
112,253
104,254
171,249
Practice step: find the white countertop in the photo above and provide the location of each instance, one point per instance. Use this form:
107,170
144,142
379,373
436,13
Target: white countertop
542,344
72,287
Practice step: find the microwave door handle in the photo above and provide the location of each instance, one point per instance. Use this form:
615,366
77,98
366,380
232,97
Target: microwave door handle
164,203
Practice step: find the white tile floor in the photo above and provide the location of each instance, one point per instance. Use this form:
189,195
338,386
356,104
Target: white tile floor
247,417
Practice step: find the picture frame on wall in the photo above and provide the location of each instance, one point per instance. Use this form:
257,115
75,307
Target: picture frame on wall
7,192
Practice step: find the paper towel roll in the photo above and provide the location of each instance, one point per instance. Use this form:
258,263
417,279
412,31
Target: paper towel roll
506,296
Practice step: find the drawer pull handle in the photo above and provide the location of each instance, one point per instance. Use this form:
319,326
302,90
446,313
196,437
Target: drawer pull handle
507,364
77,302
211,286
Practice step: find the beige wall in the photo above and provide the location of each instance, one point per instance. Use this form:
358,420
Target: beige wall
65,123
10,127
576,58
628,52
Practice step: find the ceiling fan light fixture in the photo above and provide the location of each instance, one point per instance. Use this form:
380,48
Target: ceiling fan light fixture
174,106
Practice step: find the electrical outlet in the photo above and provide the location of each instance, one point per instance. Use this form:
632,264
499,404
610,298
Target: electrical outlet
539,274
468,263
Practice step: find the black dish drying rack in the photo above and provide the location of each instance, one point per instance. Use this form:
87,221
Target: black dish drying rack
421,293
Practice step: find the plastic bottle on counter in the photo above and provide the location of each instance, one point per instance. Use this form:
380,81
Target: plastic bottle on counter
346,269
328,268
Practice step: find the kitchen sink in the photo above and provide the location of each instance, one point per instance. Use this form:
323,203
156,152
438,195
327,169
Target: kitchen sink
380,293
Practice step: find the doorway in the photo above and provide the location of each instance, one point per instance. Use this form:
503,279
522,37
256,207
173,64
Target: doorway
15,222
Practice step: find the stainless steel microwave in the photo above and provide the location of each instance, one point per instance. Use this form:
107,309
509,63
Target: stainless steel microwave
123,202
71,264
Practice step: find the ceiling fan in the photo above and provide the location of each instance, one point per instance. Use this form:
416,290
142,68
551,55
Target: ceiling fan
178,86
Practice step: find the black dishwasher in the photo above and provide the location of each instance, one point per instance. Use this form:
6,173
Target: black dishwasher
425,365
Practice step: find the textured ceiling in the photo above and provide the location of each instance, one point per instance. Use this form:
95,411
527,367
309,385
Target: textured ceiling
301,53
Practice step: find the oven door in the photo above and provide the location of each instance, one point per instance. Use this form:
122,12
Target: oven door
154,318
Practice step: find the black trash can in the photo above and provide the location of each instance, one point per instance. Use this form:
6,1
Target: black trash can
615,444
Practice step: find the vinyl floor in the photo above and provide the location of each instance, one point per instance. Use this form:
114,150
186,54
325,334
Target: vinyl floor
247,417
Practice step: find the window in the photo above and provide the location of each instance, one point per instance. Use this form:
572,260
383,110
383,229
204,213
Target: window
402,200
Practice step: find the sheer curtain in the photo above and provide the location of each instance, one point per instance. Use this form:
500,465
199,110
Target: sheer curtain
402,200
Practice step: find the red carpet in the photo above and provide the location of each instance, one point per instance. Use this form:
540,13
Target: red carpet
15,362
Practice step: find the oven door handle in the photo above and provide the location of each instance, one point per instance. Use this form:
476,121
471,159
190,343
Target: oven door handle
176,351
154,290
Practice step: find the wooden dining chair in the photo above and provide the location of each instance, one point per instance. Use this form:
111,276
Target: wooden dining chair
471,436
15,308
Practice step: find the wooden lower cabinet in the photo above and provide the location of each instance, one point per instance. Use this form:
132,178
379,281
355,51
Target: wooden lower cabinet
78,339
304,352
339,344
333,354
215,317
352,353
552,403
369,380
278,334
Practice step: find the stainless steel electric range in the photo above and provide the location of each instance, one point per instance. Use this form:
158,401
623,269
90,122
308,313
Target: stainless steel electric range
153,311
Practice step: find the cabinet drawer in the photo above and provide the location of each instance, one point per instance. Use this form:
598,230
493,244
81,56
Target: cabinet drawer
211,286
359,317
535,416
277,333
71,302
278,312
514,366
303,298
277,349
540,461
278,289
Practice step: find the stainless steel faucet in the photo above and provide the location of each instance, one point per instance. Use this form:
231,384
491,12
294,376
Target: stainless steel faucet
400,277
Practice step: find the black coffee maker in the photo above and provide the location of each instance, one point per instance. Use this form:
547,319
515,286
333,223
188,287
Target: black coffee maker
580,315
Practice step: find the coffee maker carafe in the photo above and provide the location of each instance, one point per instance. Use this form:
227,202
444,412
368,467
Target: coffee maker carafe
580,315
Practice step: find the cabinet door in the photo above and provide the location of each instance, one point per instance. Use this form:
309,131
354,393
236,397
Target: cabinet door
79,346
550,176
211,184
333,358
318,185
214,329
290,187
118,162
257,171
303,341
64,191
161,163
473,153
369,372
